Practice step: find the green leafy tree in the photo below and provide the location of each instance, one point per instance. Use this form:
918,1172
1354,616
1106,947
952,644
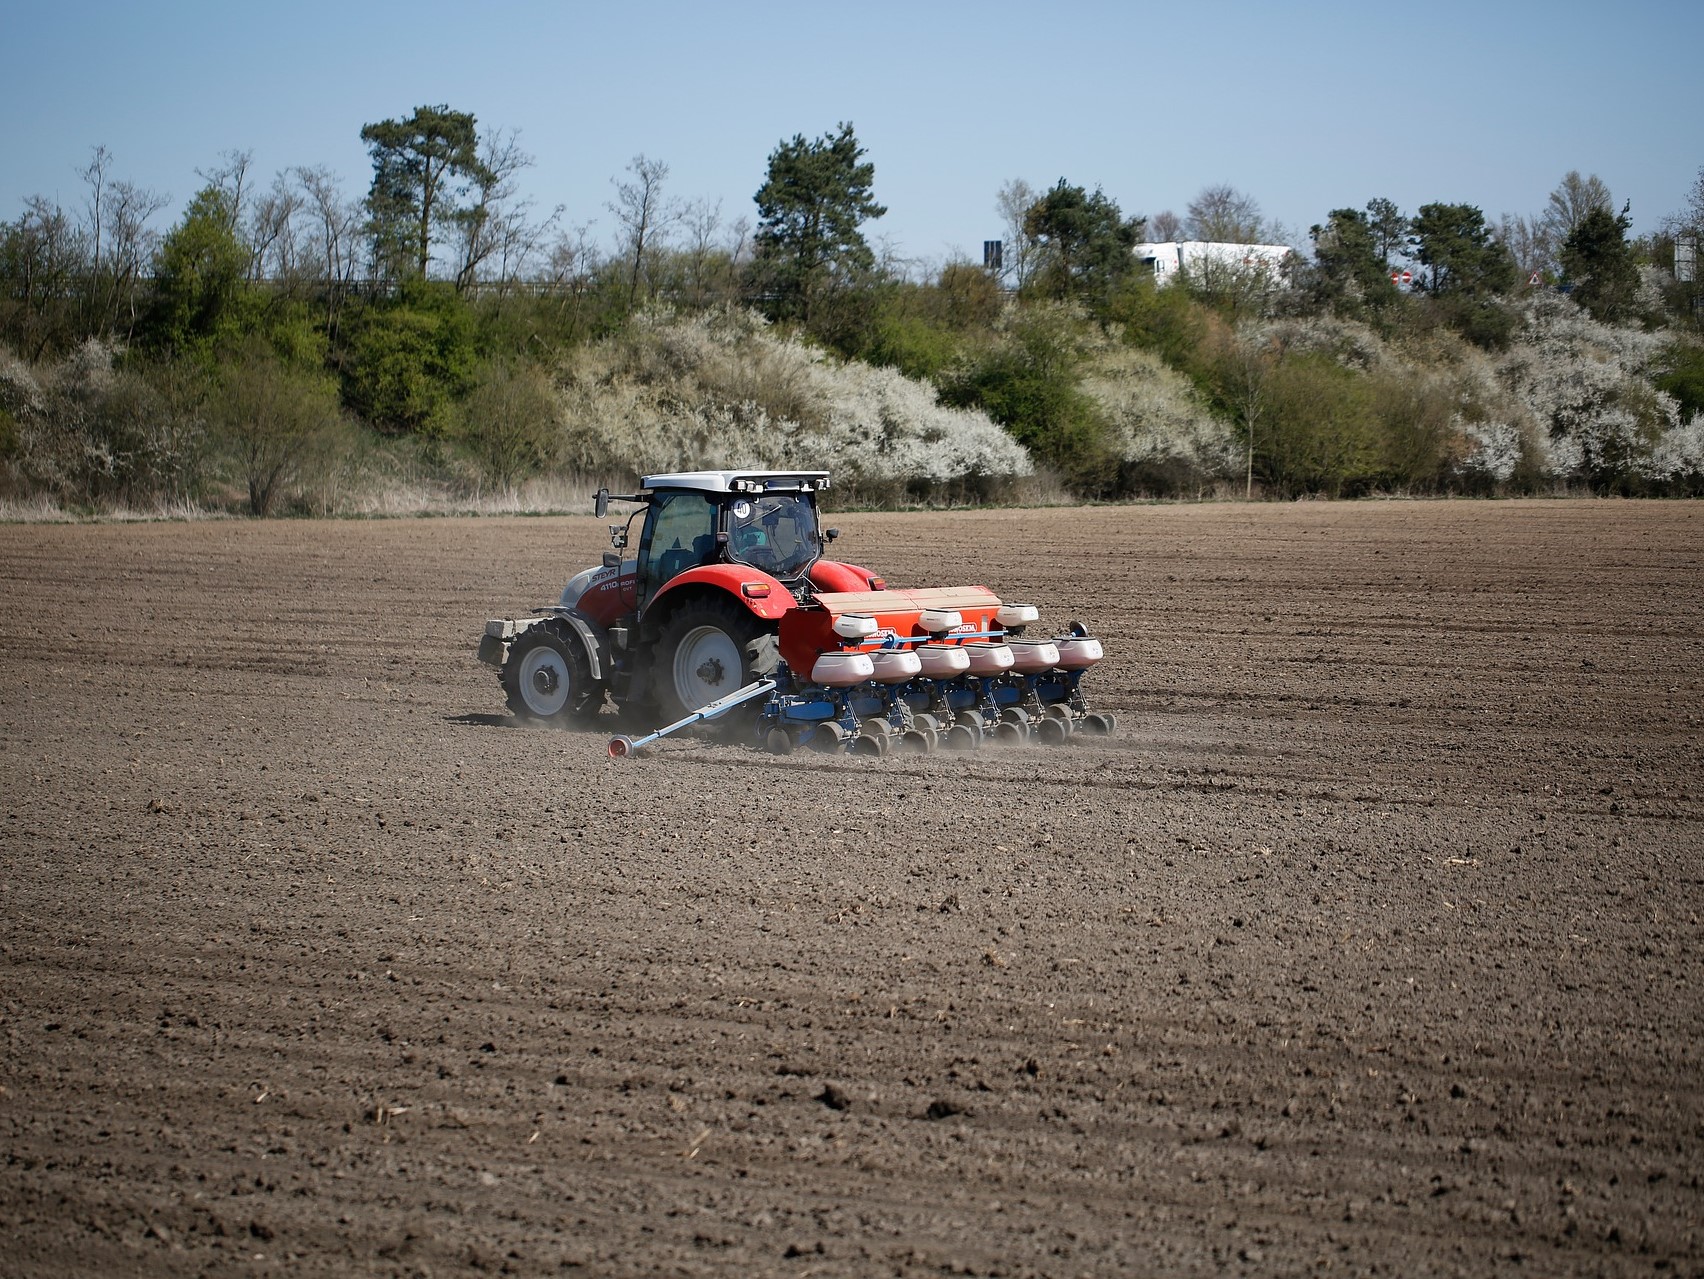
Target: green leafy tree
1467,270
815,197
1083,244
1318,429
1454,244
1416,426
1350,270
1167,321
922,329
422,167
198,274
1681,374
1388,226
1598,263
966,297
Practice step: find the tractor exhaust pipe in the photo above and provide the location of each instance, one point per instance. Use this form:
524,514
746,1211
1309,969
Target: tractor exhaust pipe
622,746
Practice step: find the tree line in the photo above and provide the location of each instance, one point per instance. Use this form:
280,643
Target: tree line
272,324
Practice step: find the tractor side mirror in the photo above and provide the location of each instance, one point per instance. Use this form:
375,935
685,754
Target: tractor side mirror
612,559
829,534
600,503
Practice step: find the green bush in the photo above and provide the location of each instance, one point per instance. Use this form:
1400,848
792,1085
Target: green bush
276,422
1682,376
914,345
1319,429
411,359
1165,320
1415,420
510,421
1027,380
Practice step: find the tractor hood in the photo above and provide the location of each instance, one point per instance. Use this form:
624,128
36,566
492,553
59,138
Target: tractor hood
599,578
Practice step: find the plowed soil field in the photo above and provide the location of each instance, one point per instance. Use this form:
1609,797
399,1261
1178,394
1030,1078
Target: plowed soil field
1369,943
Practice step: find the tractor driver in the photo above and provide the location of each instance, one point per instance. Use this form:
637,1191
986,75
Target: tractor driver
751,541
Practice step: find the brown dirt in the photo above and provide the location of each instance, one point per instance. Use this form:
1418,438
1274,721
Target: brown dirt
1370,944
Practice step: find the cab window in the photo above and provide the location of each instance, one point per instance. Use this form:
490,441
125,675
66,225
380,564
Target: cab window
680,533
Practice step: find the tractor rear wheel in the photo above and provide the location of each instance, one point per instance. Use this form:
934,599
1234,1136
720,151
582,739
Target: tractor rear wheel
547,678
708,649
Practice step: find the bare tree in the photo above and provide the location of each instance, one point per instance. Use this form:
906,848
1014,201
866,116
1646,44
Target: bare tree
272,232
703,219
231,177
121,245
644,216
496,228
334,243
1528,239
571,256
739,241
1164,227
520,240
1225,215
1013,202
1695,201
95,178
1573,198
571,264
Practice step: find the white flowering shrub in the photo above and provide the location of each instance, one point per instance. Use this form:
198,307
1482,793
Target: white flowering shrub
1677,458
1588,388
86,432
888,433
1491,434
1166,439
21,395
1649,302
1492,452
1351,343
721,390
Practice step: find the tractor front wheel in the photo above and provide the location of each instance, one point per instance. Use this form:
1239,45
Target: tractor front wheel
547,677
708,649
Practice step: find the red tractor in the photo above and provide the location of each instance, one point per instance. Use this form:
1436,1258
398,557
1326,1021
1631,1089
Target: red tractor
728,592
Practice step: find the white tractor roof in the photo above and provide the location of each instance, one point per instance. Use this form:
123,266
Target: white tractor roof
725,481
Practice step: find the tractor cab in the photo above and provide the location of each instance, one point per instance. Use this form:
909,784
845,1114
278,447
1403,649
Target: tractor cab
765,520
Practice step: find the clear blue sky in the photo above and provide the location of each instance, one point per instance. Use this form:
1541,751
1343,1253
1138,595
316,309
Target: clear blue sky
1306,106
